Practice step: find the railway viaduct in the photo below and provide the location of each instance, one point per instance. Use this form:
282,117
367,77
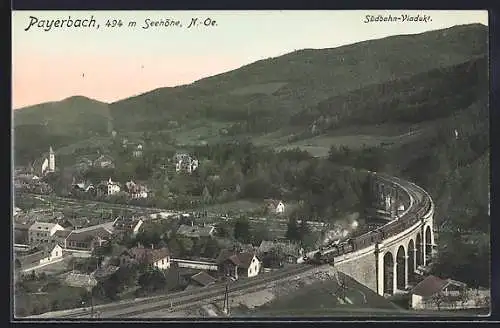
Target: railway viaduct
388,265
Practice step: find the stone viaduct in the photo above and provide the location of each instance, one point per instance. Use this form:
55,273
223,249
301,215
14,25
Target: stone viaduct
403,243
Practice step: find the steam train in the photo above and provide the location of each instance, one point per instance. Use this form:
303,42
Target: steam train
327,254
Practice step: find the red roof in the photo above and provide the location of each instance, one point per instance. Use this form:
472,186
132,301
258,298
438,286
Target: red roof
429,286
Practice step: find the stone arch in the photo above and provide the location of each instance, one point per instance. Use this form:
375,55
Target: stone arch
418,247
388,275
428,242
411,259
401,273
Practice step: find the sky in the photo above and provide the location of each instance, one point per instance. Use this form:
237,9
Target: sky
112,63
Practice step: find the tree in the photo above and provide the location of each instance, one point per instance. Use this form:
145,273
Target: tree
186,245
437,299
152,280
292,231
222,230
464,296
242,230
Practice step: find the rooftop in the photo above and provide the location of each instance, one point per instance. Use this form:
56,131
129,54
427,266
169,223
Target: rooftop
429,286
203,278
42,226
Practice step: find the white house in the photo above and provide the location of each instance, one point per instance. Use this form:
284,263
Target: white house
275,206
41,232
136,191
109,187
250,265
55,253
159,258
137,152
184,162
434,292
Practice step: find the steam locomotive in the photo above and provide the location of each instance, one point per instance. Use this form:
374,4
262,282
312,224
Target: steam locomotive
327,254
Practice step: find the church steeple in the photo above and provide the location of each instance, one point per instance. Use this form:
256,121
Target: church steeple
52,160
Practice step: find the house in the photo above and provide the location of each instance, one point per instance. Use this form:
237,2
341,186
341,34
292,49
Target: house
273,252
108,188
87,240
135,190
41,232
48,254
104,161
233,264
45,164
137,152
433,290
60,236
128,225
83,186
192,231
203,279
275,206
159,258
185,163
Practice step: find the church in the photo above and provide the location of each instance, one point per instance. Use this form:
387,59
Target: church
45,164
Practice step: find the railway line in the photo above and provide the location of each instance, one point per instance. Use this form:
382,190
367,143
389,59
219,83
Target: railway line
187,297
420,205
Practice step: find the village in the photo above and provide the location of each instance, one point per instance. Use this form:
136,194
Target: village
108,249
94,248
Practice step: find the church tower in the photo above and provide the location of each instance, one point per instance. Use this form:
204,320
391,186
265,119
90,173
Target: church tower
52,160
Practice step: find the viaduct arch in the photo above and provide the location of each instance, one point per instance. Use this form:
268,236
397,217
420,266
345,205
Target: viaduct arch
408,243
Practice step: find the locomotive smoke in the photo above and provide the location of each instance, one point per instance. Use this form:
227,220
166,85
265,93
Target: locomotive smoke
342,229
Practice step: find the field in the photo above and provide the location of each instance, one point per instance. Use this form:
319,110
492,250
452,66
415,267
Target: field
233,207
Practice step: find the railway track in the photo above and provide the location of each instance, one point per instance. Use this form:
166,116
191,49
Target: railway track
420,205
187,298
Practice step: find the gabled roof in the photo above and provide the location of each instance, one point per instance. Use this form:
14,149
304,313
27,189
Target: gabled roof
245,259
228,254
80,237
42,226
159,254
148,255
62,233
429,286
272,202
203,278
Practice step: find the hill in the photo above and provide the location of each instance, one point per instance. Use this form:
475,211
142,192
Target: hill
58,123
276,88
268,96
